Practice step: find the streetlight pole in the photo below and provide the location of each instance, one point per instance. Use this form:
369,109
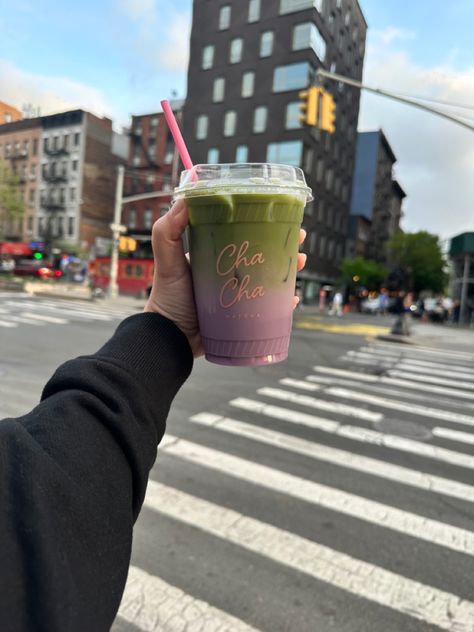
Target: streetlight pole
116,230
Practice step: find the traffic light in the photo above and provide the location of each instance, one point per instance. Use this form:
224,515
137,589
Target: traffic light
127,244
309,105
327,113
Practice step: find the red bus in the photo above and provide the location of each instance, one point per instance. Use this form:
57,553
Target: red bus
134,276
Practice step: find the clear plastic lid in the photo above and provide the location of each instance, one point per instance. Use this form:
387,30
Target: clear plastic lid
243,178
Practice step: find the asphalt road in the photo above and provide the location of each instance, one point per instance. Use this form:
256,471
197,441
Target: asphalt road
331,492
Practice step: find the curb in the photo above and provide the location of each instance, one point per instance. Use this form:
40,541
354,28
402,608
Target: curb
396,338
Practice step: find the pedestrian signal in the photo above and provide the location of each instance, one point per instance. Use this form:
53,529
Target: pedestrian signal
127,244
309,105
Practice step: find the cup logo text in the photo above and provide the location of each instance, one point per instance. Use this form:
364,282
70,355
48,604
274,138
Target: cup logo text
231,259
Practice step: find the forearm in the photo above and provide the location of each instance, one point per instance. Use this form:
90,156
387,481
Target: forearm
74,474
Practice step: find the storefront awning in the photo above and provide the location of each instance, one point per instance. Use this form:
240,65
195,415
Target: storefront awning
15,249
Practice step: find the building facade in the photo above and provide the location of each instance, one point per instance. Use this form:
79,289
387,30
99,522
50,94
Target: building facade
8,113
249,59
153,165
67,166
376,196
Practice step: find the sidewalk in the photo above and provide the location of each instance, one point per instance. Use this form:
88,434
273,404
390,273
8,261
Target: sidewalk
423,334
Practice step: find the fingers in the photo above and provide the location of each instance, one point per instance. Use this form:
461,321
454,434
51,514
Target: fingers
167,241
296,300
302,236
300,261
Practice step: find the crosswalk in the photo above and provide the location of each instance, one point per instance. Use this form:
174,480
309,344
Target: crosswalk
345,490
23,310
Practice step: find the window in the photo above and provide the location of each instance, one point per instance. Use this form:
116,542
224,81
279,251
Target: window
45,146
72,194
308,160
35,146
254,10
266,44
332,68
331,245
291,6
70,226
32,195
307,35
201,126
328,179
74,165
347,17
312,242
224,17
286,153
319,170
66,141
132,218
62,196
55,142
236,47
242,153
248,80
260,119
218,89
213,156
207,57
30,224
60,226
291,77
292,118
148,218
230,121
33,172
77,137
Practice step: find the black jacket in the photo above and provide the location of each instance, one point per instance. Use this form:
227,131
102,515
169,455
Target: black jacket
73,475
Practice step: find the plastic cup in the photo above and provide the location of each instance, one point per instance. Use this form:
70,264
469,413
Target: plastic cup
244,222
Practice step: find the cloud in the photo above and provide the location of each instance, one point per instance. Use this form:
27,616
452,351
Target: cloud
391,33
435,157
162,33
49,93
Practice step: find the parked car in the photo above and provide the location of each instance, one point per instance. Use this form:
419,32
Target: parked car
34,268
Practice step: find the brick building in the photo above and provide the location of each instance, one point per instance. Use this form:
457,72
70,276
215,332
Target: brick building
8,113
152,166
69,161
249,59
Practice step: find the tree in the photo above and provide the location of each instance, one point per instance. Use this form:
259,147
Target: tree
417,262
11,203
363,272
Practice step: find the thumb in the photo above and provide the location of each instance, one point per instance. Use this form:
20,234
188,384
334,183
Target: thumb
167,241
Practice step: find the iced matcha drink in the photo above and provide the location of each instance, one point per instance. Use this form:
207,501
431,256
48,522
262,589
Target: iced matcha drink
244,228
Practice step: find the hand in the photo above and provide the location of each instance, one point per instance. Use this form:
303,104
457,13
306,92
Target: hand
172,292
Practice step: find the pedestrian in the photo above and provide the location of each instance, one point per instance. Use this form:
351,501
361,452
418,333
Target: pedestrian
73,471
383,303
337,304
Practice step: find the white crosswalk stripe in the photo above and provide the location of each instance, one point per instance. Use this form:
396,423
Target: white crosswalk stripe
342,405
434,606
17,310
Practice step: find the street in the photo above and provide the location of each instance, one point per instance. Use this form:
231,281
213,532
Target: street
333,491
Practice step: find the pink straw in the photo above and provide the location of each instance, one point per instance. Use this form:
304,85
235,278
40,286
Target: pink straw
177,136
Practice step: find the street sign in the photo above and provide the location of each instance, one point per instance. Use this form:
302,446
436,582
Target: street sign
119,228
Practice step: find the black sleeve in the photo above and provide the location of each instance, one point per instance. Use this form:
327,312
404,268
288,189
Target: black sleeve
73,475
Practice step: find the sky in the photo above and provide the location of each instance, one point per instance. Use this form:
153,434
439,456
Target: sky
120,57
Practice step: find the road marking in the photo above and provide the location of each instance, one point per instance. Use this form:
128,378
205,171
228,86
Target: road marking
395,382
405,366
332,381
48,319
353,329
402,364
26,321
374,437
69,312
331,498
91,309
368,351
342,571
454,435
335,456
320,404
4,323
153,605
433,380
392,404
394,346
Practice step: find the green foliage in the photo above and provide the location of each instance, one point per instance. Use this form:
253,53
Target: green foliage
417,260
363,272
11,203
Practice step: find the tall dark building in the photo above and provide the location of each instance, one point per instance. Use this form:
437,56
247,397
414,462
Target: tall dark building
249,60
376,197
